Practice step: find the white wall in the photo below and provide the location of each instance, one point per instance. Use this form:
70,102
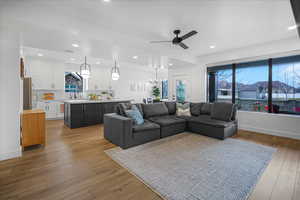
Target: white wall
282,125
129,75
10,97
196,82
45,72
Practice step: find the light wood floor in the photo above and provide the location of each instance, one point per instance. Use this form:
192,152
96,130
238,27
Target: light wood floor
74,166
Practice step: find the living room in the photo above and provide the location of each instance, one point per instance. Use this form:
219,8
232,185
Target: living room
113,99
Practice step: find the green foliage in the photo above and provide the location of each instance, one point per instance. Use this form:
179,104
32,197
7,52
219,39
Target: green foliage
156,92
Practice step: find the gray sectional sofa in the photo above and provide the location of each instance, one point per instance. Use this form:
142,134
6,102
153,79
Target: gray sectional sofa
216,120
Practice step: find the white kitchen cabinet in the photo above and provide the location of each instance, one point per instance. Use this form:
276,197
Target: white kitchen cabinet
52,108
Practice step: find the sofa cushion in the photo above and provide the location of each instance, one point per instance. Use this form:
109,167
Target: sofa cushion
222,111
195,108
135,114
205,119
156,109
167,120
205,109
186,118
171,107
146,126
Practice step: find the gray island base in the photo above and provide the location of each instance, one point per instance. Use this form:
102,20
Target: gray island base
81,113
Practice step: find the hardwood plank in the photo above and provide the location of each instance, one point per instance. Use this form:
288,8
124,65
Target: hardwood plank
73,165
264,187
284,187
296,193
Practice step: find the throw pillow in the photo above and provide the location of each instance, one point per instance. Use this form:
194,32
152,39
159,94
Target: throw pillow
122,107
196,108
183,109
171,107
135,114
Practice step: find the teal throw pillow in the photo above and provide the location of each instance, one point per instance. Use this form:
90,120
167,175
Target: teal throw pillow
135,114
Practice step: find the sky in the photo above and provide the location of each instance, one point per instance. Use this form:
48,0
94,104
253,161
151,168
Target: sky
287,73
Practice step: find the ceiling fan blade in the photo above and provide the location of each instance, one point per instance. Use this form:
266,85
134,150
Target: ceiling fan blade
183,45
160,41
188,35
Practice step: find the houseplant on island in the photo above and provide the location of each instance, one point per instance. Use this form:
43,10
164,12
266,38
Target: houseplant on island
156,93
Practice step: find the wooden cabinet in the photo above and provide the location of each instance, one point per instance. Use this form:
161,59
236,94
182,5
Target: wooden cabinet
33,130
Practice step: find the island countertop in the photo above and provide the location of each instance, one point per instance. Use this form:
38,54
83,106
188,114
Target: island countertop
97,101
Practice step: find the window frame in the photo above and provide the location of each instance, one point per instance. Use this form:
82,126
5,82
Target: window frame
233,67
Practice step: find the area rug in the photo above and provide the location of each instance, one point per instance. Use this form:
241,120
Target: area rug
193,167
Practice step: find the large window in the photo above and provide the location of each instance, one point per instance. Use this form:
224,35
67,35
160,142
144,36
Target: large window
252,86
271,85
286,85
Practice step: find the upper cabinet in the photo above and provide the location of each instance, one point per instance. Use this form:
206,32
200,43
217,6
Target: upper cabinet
45,74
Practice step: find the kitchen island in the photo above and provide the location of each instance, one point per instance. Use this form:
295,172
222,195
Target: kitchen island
81,113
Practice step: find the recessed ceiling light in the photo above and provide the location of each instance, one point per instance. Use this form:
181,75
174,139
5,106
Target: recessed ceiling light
106,0
292,27
75,45
212,46
170,64
98,62
40,54
135,57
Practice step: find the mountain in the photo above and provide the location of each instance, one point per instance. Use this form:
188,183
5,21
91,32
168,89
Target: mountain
278,86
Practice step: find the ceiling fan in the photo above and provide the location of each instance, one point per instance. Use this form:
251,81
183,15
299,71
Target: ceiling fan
178,40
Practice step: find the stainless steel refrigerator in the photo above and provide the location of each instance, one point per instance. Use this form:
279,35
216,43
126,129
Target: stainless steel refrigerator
27,93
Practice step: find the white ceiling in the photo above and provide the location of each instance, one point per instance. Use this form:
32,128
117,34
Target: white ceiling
125,27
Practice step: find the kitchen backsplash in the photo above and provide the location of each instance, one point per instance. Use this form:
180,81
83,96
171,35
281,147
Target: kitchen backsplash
61,95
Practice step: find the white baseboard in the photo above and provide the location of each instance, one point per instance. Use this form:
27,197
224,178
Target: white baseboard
271,132
10,155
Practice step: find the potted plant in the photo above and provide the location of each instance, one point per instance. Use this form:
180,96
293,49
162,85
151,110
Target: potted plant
156,93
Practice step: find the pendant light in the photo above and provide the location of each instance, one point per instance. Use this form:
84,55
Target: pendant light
115,72
155,81
85,69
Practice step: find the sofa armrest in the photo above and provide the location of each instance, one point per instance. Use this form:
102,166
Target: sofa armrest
117,129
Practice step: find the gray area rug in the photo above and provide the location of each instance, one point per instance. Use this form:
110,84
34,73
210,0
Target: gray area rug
194,167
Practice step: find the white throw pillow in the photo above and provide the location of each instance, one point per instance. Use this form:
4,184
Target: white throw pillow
183,109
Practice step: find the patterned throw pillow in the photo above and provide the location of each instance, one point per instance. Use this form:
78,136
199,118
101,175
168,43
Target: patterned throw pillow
183,109
135,114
